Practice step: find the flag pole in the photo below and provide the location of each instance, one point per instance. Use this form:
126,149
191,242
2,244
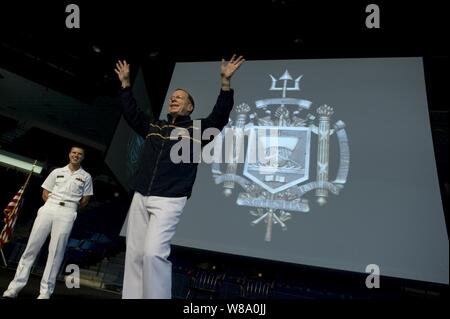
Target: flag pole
15,208
3,257
28,179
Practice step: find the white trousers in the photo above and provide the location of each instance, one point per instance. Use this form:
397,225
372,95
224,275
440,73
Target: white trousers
54,220
151,225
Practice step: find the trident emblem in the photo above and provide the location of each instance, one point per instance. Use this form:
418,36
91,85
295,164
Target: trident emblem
285,78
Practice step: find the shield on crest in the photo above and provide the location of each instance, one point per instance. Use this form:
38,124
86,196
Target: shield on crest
278,157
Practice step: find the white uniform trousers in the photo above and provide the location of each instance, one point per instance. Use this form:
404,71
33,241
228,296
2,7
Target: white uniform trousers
151,225
57,221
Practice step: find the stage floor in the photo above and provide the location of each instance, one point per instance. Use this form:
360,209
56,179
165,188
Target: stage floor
31,290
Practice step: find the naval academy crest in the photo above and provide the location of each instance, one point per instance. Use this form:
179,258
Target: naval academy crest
277,180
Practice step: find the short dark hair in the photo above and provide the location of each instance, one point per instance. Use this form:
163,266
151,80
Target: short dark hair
191,99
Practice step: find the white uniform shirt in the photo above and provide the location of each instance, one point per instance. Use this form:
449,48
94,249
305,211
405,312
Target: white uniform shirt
68,186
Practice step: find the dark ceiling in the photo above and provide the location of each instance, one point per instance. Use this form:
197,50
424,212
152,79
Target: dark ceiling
36,44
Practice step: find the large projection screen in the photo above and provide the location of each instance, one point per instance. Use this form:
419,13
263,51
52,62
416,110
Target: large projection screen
389,210
357,184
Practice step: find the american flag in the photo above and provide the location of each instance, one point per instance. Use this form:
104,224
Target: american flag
11,211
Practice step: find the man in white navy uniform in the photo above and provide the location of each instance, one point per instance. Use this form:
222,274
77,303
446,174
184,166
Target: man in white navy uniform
64,191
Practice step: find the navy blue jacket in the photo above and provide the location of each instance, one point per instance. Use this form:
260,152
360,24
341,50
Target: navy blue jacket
157,175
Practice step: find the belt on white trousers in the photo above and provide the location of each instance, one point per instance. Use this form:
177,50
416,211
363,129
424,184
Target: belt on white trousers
63,203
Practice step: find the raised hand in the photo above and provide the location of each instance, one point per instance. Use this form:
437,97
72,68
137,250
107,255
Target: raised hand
227,69
123,72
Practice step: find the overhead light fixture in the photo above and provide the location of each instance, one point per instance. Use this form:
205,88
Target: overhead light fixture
153,55
96,49
20,163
